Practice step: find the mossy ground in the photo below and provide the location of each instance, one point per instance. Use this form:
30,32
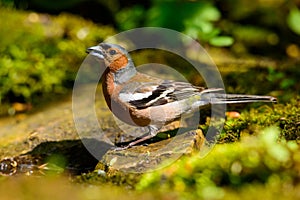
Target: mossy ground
229,170
284,116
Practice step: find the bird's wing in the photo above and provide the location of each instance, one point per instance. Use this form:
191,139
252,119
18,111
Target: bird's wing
145,94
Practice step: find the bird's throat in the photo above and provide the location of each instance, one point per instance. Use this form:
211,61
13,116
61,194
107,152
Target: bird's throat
124,74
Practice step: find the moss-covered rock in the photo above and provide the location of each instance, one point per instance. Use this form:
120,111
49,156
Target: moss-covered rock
284,116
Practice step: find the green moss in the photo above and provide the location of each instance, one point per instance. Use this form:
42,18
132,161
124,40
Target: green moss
230,168
42,55
108,177
284,116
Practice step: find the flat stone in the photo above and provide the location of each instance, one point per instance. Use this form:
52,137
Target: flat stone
140,159
85,130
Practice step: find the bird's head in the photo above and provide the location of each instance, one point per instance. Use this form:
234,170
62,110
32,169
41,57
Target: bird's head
115,57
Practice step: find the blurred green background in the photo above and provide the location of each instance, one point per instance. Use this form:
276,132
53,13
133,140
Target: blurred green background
255,44
42,42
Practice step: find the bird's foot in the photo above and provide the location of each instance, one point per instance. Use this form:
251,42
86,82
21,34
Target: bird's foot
121,148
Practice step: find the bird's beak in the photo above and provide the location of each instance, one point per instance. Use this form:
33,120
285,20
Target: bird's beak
96,51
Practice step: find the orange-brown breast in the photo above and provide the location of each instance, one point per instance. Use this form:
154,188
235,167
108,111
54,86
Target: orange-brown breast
124,112
118,63
108,87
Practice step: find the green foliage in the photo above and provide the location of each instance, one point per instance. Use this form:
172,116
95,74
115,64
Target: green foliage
221,41
260,161
281,77
41,54
129,18
252,35
260,27
196,19
293,19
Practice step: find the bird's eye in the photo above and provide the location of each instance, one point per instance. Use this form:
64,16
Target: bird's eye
112,52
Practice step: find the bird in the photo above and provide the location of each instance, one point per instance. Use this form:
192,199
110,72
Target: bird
142,100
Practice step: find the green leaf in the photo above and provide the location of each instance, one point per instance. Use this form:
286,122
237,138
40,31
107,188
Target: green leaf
209,13
221,41
293,20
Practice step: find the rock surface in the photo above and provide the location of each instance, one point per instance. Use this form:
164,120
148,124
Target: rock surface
84,136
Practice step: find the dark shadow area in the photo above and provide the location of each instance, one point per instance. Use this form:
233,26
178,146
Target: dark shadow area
69,156
76,158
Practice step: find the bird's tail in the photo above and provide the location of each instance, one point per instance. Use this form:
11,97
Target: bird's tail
218,98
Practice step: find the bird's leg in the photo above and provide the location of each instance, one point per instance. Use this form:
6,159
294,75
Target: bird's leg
152,133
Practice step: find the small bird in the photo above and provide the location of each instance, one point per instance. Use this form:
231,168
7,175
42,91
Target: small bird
142,100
